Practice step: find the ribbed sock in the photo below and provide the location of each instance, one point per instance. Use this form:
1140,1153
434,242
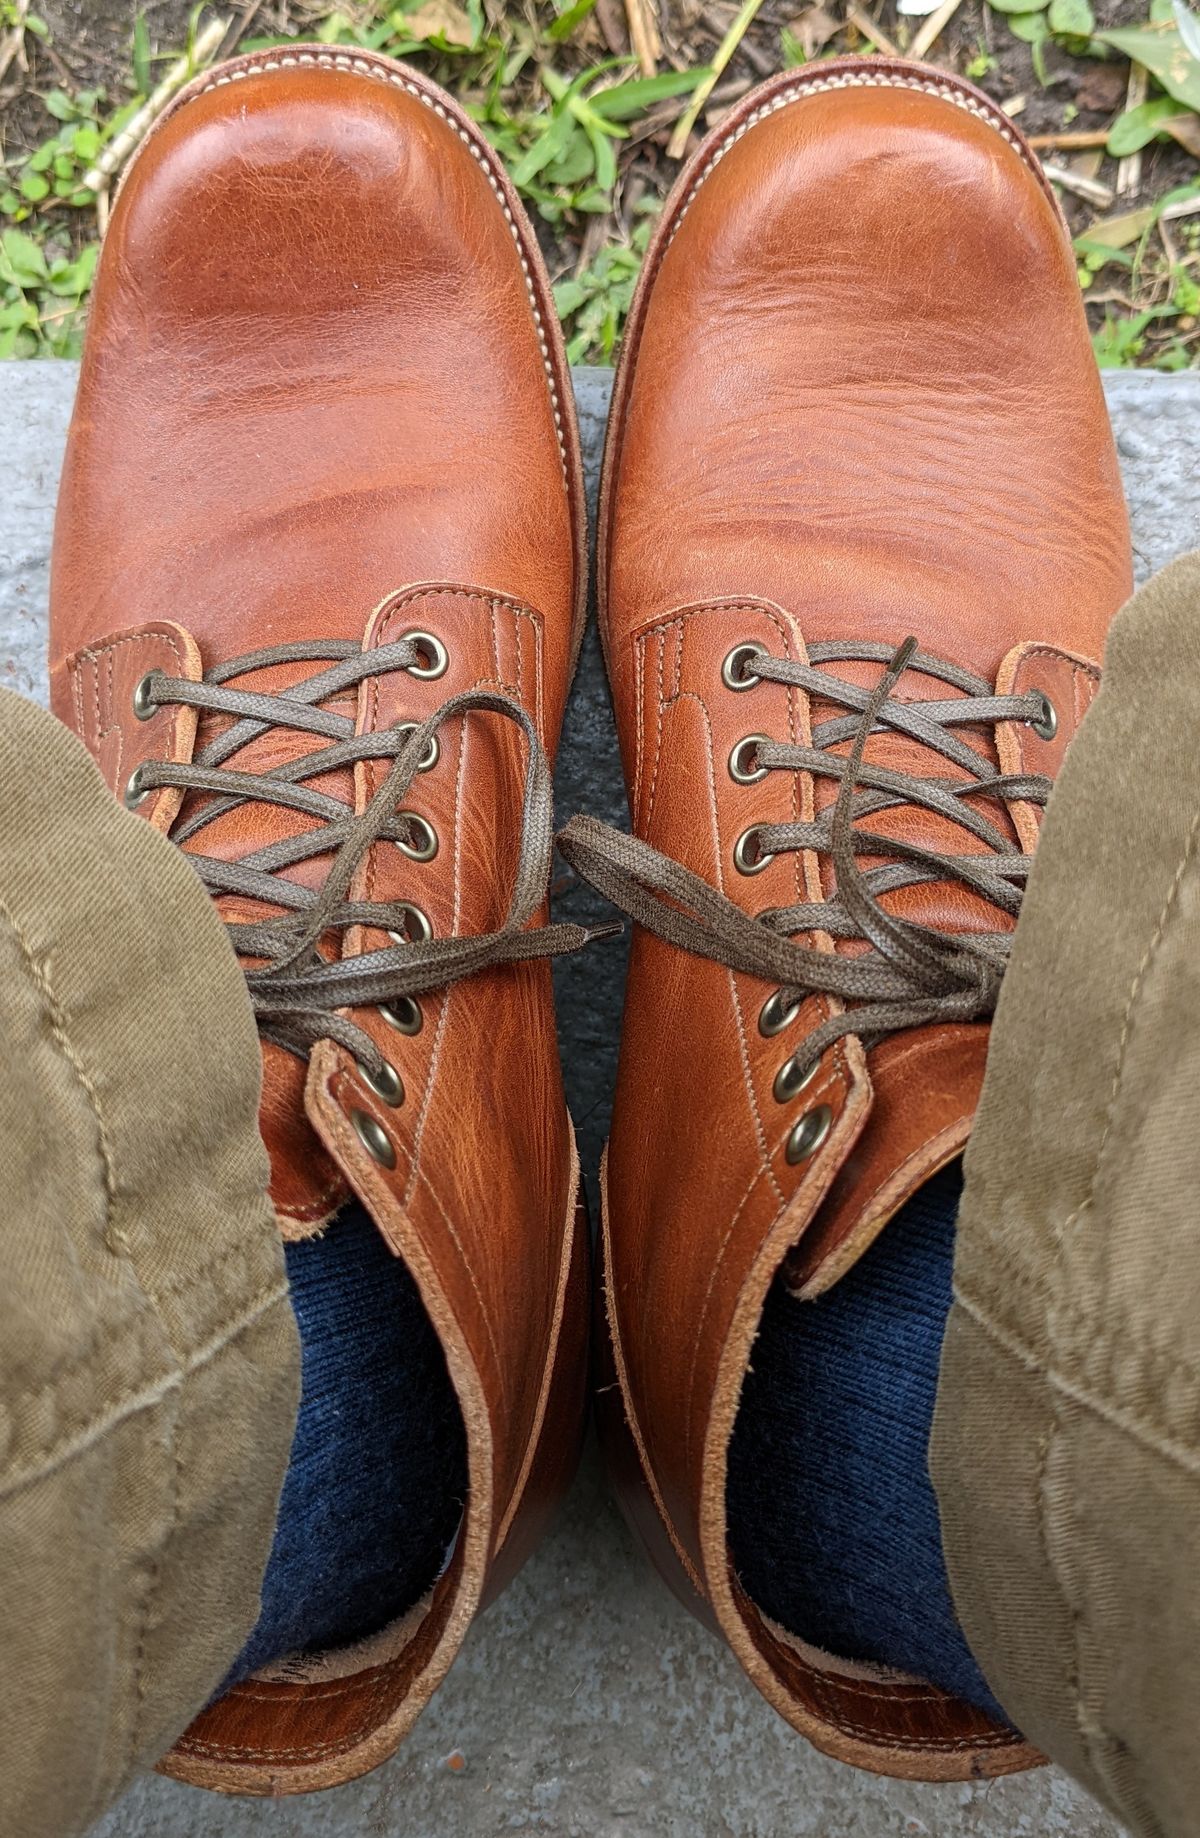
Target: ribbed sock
833,1521
377,1480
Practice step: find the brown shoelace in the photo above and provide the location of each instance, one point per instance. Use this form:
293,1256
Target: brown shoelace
296,993
910,974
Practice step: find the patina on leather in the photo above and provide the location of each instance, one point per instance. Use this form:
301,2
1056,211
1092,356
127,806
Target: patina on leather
324,407
856,401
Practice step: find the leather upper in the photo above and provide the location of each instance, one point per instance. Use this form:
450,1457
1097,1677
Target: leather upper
856,401
324,397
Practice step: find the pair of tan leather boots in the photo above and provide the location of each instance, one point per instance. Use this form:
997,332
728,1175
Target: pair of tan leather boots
320,580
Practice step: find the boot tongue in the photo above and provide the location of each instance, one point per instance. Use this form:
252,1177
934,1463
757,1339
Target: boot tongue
926,1080
306,1186
926,1084
943,905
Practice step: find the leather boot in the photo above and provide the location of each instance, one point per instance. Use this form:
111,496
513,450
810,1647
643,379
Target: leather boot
318,590
856,403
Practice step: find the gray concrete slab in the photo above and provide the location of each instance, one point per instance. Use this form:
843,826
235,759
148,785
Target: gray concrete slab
586,1704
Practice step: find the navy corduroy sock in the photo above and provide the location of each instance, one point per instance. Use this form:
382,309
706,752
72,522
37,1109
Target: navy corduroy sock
832,1518
833,1521
375,1488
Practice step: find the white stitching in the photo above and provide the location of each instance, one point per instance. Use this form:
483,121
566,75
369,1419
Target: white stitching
480,153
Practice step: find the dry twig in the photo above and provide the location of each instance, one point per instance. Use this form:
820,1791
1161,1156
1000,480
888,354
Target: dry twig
1090,189
758,61
113,157
237,30
677,145
644,36
1129,171
12,45
608,18
1091,137
598,232
932,29
725,93
866,25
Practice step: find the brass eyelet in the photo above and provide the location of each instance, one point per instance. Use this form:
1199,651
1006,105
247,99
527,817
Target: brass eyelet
426,847
775,1014
432,751
743,860
736,672
435,651
420,920
135,792
789,1083
807,1136
1047,727
144,706
386,1083
374,1138
747,749
405,1015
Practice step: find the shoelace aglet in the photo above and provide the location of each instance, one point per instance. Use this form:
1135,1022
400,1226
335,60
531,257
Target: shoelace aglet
902,656
596,934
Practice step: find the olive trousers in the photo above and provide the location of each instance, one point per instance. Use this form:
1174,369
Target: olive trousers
149,1360
1066,1445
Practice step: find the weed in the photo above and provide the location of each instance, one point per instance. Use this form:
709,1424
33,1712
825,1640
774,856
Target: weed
593,305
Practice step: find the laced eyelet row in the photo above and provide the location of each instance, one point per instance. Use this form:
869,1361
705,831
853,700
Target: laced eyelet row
437,663
408,1018
738,673
145,708
810,1130
405,1016
424,845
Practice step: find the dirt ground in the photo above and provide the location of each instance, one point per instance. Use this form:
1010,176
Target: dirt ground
90,39
89,46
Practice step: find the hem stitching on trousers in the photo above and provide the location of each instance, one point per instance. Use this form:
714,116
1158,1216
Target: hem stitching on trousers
142,1397
1182,1455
